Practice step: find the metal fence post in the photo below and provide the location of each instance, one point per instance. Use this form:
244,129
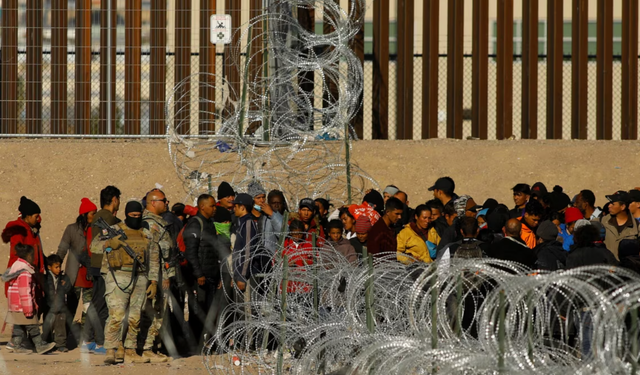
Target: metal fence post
504,118
554,68
455,68
579,54
629,69
480,75
59,66
34,67
133,72
604,111
404,68
430,61
529,118
380,126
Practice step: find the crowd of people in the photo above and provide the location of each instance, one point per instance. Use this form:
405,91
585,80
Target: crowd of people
153,283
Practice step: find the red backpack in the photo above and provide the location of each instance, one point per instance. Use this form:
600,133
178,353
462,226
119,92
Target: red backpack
180,241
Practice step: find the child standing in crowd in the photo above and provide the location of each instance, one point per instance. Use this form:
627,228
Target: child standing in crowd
339,243
23,310
57,287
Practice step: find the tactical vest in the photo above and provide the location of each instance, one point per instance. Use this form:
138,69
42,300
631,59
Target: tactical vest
119,260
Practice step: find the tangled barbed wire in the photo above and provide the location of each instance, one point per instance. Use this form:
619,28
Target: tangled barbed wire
379,316
277,126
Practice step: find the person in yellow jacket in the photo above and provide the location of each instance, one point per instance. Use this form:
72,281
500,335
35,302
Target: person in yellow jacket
412,240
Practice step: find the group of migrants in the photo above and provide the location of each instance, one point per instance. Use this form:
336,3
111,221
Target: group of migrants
153,282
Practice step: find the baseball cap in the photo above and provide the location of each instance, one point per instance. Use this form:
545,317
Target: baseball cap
619,196
634,195
243,199
308,203
443,183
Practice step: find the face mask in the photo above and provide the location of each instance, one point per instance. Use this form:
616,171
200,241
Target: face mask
133,223
257,208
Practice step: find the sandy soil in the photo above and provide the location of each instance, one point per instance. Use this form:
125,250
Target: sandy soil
58,173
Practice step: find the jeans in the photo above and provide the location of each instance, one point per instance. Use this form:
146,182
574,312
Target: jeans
98,312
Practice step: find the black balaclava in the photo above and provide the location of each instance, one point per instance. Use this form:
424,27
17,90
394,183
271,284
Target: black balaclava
132,222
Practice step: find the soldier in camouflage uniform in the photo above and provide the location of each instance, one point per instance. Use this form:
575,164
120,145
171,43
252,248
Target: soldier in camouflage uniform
157,204
126,284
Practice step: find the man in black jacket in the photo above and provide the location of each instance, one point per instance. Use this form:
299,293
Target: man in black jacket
512,247
551,255
206,254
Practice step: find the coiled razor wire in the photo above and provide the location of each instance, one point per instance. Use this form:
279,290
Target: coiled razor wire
280,128
378,316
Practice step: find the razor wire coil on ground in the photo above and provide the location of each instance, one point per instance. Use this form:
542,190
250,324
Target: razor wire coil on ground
480,316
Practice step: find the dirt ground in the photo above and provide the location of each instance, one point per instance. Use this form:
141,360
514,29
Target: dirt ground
58,173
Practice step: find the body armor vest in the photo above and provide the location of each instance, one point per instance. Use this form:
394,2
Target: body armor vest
119,259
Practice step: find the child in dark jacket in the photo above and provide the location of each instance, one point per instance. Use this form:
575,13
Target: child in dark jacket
57,287
338,243
23,310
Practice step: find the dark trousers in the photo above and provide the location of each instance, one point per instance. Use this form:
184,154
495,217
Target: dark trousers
206,304
98,311
21,332
56,324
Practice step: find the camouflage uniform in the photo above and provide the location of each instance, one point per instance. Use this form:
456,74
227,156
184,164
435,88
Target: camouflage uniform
133,294
161,241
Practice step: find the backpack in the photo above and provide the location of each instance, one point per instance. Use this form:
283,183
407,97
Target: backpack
182,248
468,250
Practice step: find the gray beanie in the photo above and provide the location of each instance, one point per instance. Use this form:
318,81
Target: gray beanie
255,189
547,230
391,190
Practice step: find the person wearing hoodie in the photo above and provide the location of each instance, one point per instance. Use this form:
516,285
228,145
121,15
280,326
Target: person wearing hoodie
26,230
549,252
589,249
75,242
375,200
269,221
57,287
571,217
22,307
338,243
413,240
389,191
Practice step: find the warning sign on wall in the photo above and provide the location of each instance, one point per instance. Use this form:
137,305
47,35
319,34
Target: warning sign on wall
220,28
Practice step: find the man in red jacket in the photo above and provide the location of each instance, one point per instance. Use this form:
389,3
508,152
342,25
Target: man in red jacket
25,231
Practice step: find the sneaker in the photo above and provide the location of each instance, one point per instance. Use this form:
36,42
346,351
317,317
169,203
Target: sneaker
87,347
62,349
10,347
100,350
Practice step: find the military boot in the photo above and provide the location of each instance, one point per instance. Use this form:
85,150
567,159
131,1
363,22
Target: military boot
130,356
155,357
120,354
43,347
110,357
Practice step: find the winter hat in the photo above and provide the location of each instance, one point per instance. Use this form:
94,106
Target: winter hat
86,206
28,207
581,223
539,186
391,190
363,224
225,190
547,230
255,189
222,215
572,214
559,200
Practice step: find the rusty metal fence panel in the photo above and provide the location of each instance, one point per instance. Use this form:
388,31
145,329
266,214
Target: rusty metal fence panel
519,75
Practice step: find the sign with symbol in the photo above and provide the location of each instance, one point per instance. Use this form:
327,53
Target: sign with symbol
220,29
